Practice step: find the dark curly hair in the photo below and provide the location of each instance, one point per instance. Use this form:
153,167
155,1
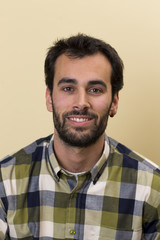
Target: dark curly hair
80,46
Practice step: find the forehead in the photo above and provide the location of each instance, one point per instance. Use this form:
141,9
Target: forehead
88,67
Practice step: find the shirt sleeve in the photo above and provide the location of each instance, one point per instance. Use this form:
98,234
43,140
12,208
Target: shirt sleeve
3,223
3,212
151,213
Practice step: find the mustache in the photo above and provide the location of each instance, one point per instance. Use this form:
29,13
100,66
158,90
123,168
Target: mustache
82,112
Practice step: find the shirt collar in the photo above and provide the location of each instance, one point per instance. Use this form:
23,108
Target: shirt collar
55,168
95,172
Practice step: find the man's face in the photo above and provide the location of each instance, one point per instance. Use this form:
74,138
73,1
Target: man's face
81,100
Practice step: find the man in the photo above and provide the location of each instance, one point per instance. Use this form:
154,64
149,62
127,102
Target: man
79,183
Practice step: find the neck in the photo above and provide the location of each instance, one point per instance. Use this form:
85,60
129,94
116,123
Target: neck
76,159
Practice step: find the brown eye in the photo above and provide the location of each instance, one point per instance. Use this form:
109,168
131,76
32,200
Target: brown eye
95,90
68,89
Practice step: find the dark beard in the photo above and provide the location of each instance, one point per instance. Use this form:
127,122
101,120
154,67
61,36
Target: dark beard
79,138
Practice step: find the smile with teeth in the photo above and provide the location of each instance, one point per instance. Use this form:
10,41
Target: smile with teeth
79,119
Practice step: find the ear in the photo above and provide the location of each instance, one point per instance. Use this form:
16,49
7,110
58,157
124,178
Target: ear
114,105
48,100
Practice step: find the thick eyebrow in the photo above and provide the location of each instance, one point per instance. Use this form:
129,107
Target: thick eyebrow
97,82
67,80
74,81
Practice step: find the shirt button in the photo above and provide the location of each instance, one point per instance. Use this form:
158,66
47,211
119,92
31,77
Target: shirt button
72,232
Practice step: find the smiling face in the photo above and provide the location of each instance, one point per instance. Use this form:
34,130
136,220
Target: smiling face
81,99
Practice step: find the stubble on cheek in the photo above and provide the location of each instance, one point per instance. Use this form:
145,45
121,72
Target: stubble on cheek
81,136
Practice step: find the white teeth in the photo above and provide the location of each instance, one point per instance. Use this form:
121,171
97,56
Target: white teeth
79,119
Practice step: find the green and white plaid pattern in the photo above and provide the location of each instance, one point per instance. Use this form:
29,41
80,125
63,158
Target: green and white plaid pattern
118,199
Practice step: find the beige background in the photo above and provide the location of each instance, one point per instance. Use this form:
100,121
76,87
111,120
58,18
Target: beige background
28,28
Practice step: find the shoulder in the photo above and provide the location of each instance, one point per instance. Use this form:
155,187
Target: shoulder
32,152
132,159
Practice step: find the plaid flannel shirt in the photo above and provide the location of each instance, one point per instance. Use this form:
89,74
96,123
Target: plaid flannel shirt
118,199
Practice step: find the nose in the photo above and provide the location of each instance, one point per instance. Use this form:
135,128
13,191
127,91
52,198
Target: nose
81,100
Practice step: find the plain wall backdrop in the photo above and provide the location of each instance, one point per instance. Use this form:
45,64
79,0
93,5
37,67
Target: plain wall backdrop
29,27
